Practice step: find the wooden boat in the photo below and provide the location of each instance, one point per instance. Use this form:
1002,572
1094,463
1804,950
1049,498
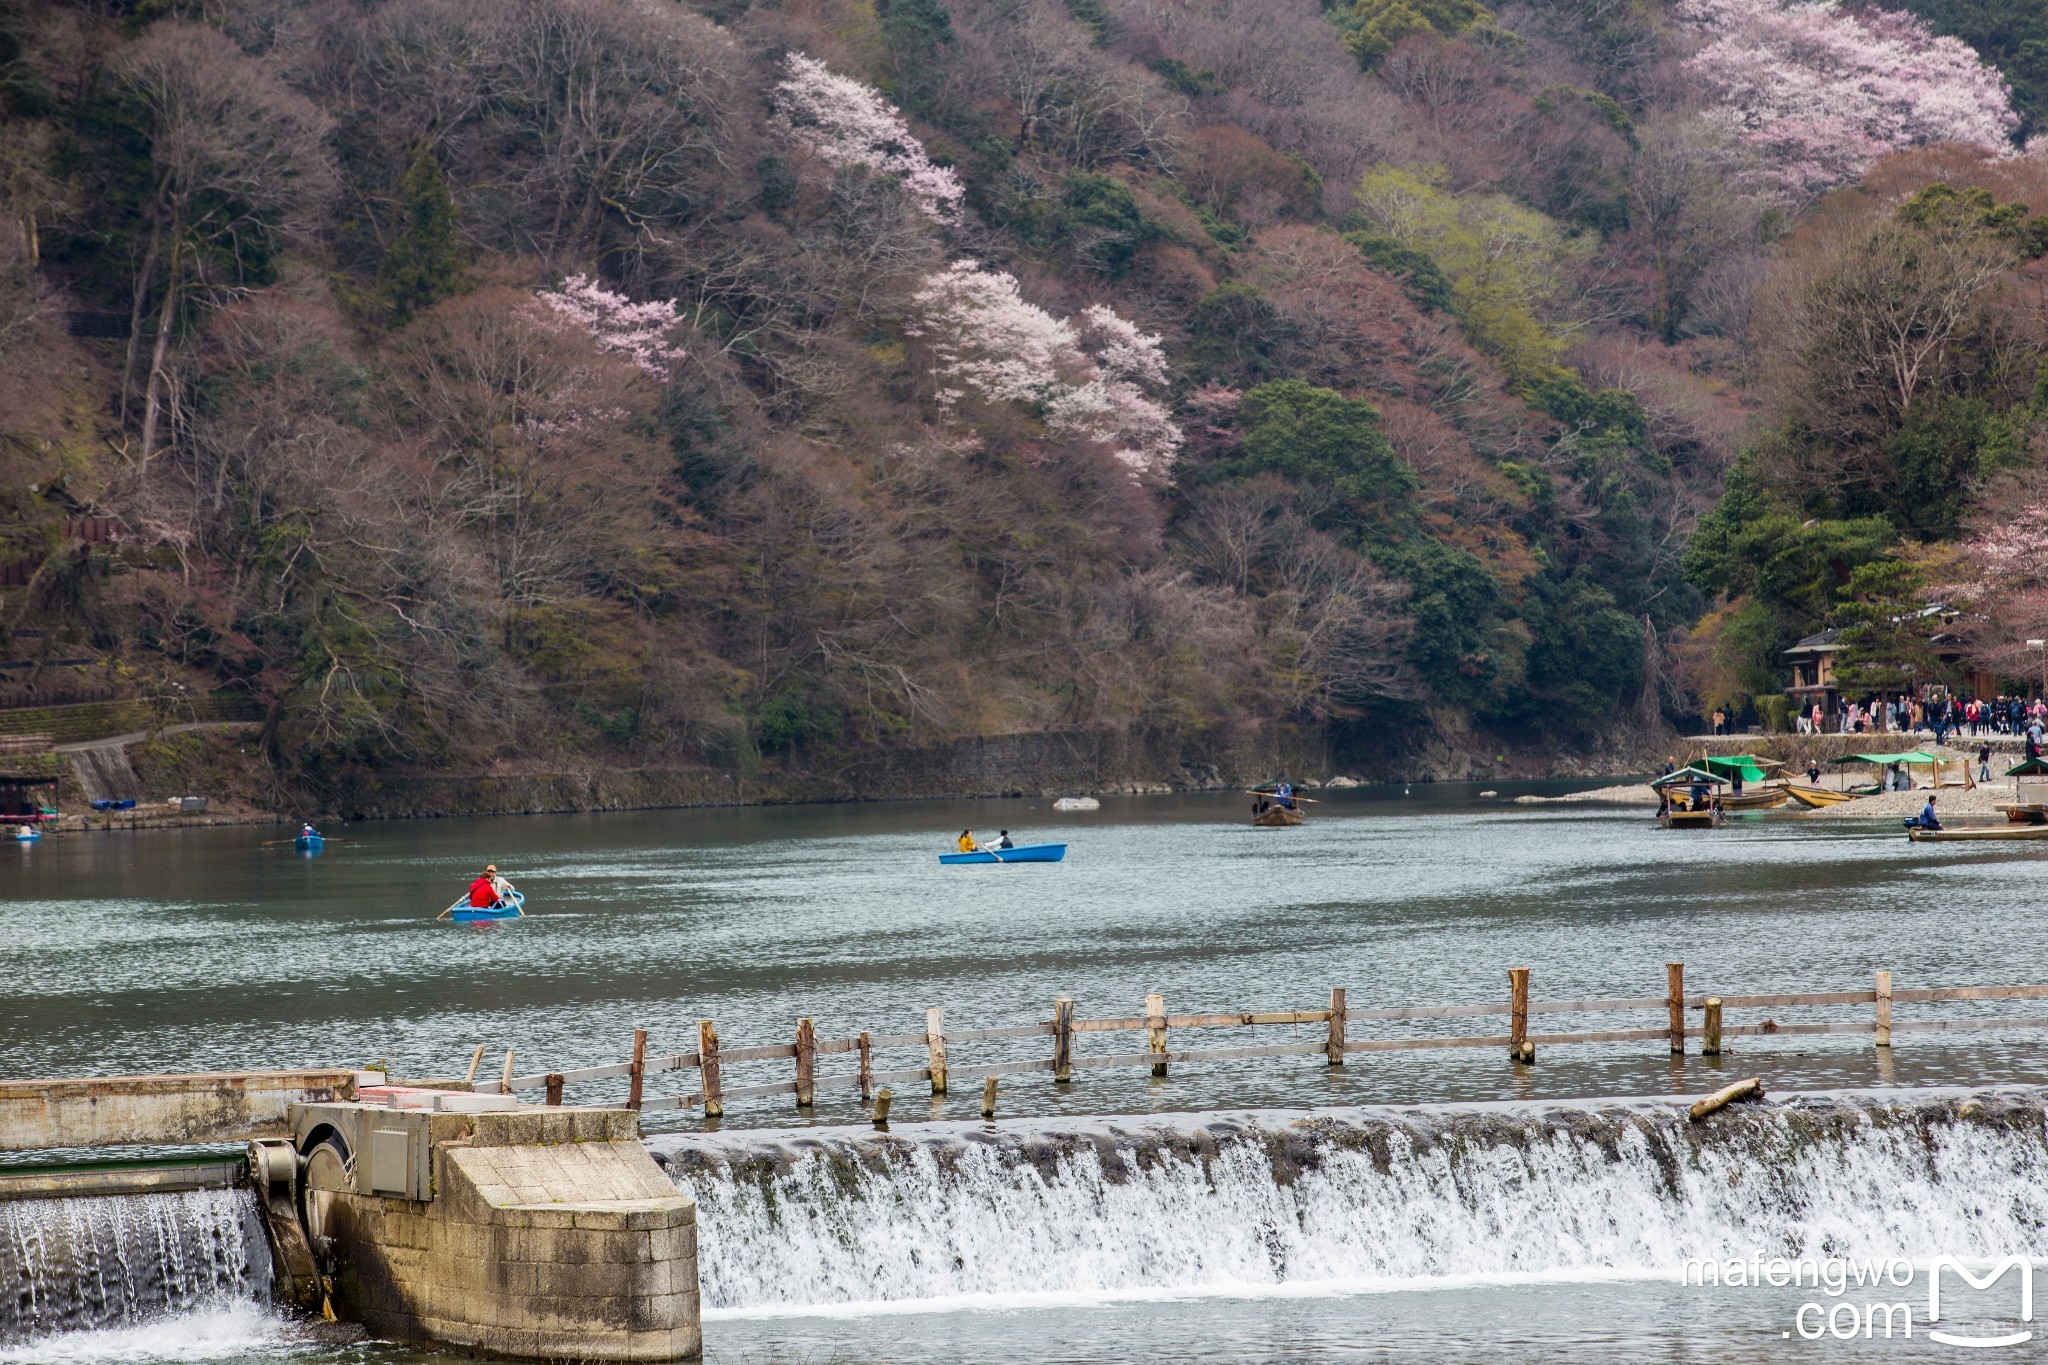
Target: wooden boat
462,912
1268,813
2030,814
1278,817
1943,836
1023,853
1706,817
1677,809
1763,798
1813,798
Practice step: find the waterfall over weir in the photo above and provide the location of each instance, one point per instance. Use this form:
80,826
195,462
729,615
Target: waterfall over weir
1278,1202
116,1260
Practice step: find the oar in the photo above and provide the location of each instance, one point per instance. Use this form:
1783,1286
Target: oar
1306,800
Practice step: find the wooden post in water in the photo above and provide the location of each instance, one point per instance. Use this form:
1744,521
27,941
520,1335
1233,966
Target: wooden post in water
1519,1047
935,1043
476,1059
1333,1050
806,1062
639,1072
988,1097
1674,1004
867,1068
1062,1040
505,1078
1884,1009
555,1089
882,1107
707,1064
1155,1040
1710,1034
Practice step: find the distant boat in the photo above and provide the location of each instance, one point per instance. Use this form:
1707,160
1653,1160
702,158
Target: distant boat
1278,817
1022,853
1271,812
1943,836
462,912
27,834
309,843
1813,798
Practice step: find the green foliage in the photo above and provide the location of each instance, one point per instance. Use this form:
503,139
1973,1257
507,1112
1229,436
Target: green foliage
1092,15
918,35
1236,329
423,263
1505,261
1186,79
1885,638
1457,642
1753,544
1774,709
1100,222
792,717
2011,35
1942,207
1321,438
1371,28
1427,283
1586,655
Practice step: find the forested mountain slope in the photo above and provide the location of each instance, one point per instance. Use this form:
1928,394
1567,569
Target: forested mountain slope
728,383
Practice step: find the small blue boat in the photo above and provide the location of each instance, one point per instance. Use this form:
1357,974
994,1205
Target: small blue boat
462,912
1023,853
309,843
27,834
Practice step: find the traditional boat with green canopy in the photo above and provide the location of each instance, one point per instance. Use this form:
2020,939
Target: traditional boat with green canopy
1912,762
1690,799
1278,805
1750,783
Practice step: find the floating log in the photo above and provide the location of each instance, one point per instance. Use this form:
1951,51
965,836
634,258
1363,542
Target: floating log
1749,1089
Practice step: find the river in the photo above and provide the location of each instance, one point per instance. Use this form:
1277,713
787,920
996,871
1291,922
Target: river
203,950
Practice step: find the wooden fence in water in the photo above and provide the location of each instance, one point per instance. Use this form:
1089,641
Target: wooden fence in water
711,1057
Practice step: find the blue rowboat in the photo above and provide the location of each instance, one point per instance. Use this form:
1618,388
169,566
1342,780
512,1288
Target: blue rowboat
27,834
1023,853
462,912
309,843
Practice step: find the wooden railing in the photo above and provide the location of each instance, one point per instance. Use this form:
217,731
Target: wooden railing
711,1057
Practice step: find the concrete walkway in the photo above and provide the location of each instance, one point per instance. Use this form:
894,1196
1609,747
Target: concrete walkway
137,736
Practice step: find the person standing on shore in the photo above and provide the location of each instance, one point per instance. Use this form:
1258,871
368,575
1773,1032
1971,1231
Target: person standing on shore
1983,762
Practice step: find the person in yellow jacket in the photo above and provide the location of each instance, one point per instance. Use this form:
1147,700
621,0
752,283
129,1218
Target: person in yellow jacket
967,844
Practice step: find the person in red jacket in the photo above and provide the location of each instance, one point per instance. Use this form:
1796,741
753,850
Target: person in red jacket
483,892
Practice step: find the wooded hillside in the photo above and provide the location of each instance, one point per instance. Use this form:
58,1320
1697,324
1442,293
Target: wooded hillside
734,382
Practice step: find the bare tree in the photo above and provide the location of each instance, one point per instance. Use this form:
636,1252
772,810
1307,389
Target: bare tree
237,164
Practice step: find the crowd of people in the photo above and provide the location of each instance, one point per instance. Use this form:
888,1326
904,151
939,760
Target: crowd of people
1941,717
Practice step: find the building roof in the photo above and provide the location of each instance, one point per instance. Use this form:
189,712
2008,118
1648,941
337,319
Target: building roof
1824,643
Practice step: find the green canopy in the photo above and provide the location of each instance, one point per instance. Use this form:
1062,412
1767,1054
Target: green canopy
1749,765
1888,759
2029,767
1686,776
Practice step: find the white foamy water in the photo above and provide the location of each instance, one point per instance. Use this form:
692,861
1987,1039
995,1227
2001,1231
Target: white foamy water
1349,1202
71,1265
234,1332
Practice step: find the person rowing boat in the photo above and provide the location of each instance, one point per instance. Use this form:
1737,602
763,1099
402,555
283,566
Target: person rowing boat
489,890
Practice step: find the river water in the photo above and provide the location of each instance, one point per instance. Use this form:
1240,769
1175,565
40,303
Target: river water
201,950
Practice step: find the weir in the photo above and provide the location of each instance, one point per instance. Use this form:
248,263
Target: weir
1271,1200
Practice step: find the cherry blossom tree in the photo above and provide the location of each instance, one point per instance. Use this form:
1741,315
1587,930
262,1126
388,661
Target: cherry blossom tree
638,331
2005,587
1819,91
1092,381
845,123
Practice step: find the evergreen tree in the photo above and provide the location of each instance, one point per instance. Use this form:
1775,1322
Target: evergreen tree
424,262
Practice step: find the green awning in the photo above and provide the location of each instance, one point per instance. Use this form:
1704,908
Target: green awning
2029,767
1749,765
1888,759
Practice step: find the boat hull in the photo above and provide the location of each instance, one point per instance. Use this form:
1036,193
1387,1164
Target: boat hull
1946,836
1278,817
309,843
1761,799
1691,819
462,912
1813,798
1023,853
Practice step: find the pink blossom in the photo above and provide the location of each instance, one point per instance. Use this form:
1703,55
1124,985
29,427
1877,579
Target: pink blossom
2007,586
1088,383
845,123
1819,92
638,331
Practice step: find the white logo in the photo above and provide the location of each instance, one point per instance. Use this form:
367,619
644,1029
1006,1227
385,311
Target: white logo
1991,1276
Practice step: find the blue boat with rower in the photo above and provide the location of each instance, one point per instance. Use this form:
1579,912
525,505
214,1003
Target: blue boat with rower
489,898
1001,850
309,840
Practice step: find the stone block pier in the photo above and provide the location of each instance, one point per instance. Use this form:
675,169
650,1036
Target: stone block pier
433,1216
